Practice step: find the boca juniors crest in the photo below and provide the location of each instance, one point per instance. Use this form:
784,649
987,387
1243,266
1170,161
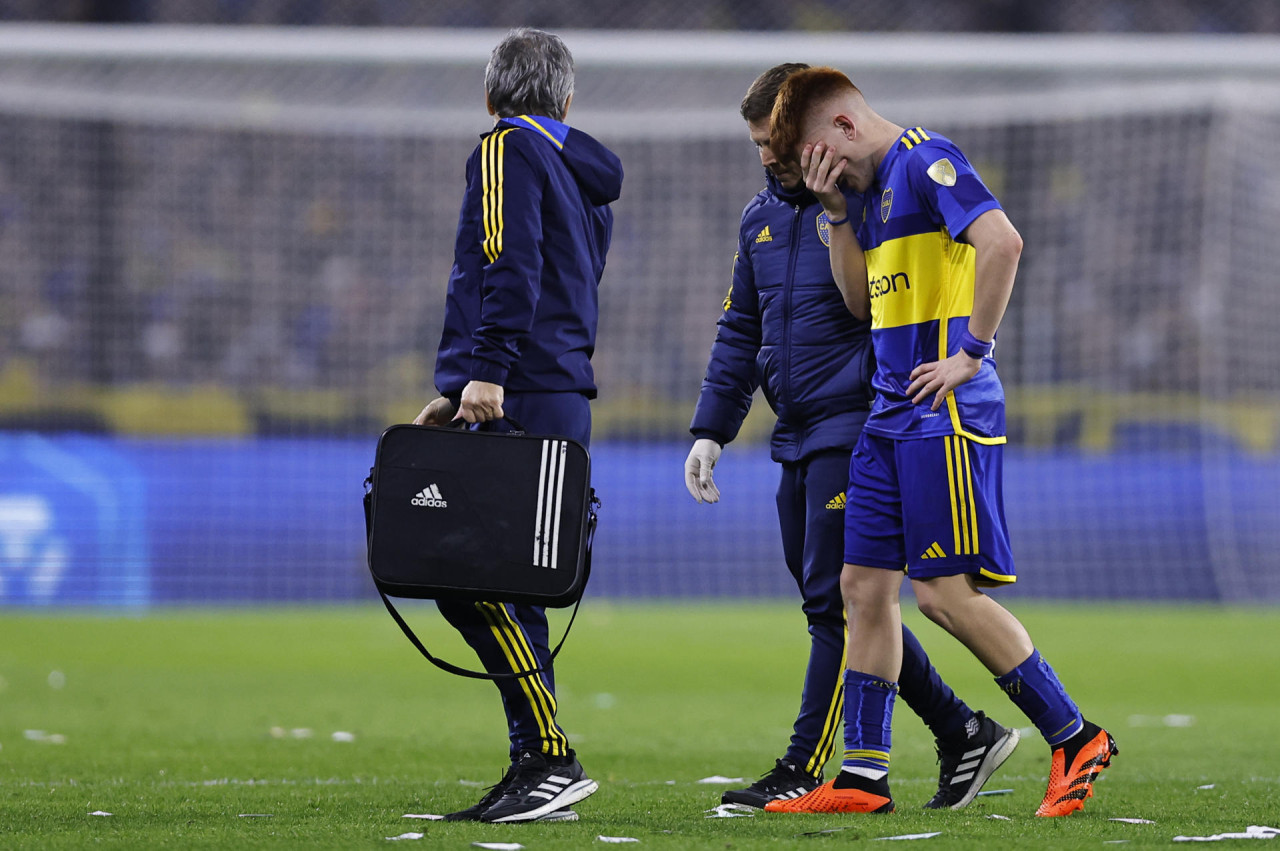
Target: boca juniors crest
824,228
886,203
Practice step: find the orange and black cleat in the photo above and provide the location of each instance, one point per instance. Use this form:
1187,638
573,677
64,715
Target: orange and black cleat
828,799
1076,764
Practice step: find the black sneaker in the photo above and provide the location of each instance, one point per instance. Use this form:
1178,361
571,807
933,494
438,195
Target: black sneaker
967,763
785,782
540,788
491,796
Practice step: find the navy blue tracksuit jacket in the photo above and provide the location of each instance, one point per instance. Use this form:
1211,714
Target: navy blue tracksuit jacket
532,236
521,313
785,327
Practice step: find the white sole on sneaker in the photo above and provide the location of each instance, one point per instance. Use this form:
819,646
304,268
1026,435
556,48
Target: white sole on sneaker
560,815
571,794
995,757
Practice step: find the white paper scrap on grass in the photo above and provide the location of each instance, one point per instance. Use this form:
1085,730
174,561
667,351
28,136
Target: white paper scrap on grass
996,792
1133,820
731,811
1170,720
499,846
428,816
720,778
999,817
909,836
99,813
1255,831
617,839
1207,786
475,784
405,836
343,736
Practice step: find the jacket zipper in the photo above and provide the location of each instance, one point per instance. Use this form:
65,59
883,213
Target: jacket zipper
793,253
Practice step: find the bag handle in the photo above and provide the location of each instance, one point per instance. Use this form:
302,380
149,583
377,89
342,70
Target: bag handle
516,428
514,675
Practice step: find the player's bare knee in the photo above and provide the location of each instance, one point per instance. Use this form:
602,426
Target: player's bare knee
934,607
937,601
868,591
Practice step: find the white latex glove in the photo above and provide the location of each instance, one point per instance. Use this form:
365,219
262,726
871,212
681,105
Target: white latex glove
697,470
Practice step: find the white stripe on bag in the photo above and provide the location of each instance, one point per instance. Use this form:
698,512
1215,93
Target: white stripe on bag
555,529
554,459
542,488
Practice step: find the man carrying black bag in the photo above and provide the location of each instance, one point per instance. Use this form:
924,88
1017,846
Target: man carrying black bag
519,331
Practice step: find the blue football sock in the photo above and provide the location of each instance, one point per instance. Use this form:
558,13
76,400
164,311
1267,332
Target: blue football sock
928,696
868,717
1035,689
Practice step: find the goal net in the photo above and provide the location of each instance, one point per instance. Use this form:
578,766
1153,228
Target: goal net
224,256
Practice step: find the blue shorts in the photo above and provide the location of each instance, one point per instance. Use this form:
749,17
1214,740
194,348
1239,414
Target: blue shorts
934,506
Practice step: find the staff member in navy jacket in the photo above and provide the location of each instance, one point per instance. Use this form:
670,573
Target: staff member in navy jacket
785,326
519,332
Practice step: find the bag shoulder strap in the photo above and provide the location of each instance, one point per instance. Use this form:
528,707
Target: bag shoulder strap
514,675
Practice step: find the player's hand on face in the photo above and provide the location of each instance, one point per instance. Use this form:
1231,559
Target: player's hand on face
438,412
481,401
941,377
697,470
822,168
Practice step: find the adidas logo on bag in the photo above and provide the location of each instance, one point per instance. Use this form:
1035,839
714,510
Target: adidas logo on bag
429,497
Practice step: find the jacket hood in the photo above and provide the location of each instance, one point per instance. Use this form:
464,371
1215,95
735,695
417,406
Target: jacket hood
800,195
596,168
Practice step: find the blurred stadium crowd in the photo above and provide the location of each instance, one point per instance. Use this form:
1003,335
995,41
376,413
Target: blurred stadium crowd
1231,16
272,264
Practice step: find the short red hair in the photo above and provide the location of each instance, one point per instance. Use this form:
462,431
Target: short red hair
799,95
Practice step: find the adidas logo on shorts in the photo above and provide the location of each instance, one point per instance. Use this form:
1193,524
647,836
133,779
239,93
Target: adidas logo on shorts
429,497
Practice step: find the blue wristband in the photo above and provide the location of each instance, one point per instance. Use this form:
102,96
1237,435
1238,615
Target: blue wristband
833,223
973,347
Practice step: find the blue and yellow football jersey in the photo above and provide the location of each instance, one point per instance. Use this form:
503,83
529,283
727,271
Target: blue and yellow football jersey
921,281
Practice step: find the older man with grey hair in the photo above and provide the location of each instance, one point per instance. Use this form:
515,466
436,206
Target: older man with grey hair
519,332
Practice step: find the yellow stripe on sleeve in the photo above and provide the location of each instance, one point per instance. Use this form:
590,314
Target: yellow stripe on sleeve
502,145
485,201
491,157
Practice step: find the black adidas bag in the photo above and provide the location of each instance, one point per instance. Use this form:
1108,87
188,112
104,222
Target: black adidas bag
478,515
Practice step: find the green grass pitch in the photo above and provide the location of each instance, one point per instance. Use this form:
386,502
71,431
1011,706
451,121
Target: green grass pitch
178,722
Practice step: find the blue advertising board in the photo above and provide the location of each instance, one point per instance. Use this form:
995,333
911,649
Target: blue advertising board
94,520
